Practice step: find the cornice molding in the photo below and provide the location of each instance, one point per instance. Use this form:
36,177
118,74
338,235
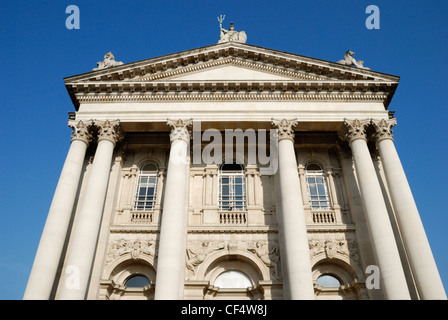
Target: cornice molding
141,97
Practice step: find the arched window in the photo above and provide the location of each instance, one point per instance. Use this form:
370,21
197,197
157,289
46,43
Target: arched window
232,279
317,187
145,197
328,281
232,188
137,281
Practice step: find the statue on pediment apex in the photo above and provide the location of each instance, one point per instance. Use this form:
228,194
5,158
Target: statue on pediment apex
109,61
231,34
350,61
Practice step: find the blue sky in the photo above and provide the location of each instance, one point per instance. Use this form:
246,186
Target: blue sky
38,51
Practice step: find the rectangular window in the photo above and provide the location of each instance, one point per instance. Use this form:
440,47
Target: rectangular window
318,194
146,193
232,195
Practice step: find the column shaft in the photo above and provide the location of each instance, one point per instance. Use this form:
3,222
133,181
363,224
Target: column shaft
418,250
297,277
46,262
393,280
84,239
171,258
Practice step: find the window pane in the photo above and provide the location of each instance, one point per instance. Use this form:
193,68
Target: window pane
313,190
150,167
238,190
328,281
313,167
232,279
321,189
137,282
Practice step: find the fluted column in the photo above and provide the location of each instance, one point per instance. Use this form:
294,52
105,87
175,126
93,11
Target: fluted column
393,280
86,229
51,244
424,269
297,277
171,258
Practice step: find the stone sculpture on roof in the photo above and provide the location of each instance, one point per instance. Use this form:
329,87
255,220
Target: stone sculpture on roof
231,34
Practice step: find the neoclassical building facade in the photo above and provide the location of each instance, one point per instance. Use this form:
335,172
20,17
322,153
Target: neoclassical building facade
149,206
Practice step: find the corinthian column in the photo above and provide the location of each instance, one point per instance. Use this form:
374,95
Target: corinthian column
419,253
297,277
51,244
87,225
171,259
393,280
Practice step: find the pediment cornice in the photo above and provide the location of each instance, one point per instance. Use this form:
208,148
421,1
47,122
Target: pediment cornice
155,78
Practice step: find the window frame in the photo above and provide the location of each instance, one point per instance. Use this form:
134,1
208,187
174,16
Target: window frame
148,205
235,201
323,200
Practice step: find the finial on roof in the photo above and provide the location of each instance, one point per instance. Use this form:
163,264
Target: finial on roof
109,61
231,34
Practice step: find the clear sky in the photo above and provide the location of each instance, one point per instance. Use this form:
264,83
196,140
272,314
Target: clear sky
38,51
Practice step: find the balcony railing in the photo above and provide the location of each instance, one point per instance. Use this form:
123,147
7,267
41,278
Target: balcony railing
141,217
233,218
324,217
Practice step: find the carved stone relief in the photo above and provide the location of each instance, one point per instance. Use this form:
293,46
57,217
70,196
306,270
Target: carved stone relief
331,248
269,257
136,248
268,253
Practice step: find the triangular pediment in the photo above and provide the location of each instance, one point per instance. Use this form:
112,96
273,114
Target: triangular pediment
227,72
258,63
234,67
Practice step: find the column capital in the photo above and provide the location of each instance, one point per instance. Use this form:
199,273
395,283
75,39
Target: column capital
353,130
383,128
179,129
109,130
285,128
81,131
